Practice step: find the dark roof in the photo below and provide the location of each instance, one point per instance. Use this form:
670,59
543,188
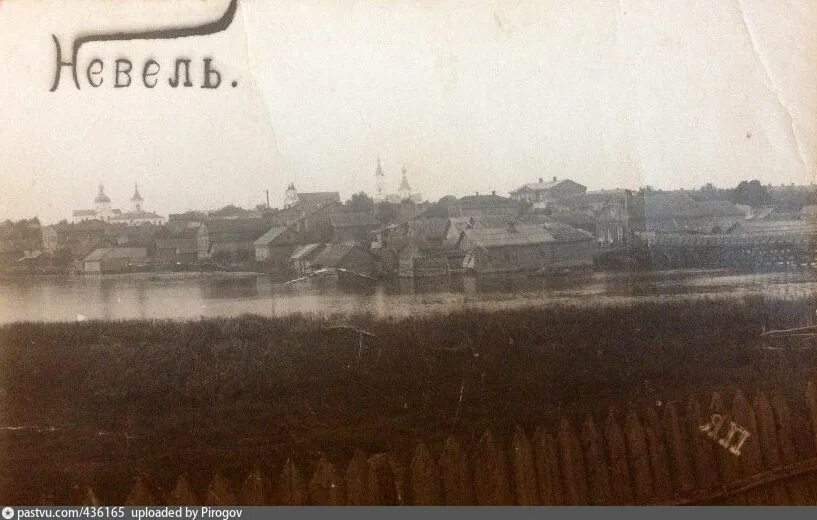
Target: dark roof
525,234
601,196
229,211
544,186
270,236
771,227
681,205
493,221
739,240
84,213
514,235
306,252
342,220
187,216
238,229
481,201
334,254
573,218
318,197
176,230
430,227
108,253
181,245
136,215
564,233
84,226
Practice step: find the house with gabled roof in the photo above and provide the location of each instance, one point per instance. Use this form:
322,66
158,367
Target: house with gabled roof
300,262
115,259
353,227
539,194
276,245
347,256
230,237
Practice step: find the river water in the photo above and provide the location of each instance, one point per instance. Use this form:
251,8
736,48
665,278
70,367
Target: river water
193,295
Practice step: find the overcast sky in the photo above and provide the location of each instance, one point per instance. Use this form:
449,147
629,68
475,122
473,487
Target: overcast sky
468,96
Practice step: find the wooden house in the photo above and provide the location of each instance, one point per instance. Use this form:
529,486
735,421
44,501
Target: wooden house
526,248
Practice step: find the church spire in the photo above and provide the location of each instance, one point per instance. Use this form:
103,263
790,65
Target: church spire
379,170
137,200
136,197
404,185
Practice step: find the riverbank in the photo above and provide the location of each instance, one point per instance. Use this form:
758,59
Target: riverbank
98,401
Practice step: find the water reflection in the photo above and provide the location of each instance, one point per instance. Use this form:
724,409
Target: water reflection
177,295
228,288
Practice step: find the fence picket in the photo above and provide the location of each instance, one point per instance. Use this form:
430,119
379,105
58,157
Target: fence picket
399,469
182,494
90,498
811,406
455,474
382,485
679,450
524,469
491,485
325,486
220,492
358,489
139,495
547,468
703,455
424,477
598,475
798,488
750,459
639,458
253,489
659,463
573,472
728,464
619,467
769,445
291,490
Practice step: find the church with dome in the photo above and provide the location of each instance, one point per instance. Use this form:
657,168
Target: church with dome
103,211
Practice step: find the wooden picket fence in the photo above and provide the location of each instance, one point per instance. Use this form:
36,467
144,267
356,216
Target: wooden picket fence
654,458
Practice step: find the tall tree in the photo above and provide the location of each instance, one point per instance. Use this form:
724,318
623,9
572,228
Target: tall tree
751,193
361,202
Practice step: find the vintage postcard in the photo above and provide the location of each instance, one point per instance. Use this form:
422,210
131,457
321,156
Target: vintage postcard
406,252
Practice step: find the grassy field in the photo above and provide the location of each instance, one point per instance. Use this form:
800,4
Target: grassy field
98,402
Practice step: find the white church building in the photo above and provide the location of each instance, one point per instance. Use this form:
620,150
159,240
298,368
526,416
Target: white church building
403,190
104,212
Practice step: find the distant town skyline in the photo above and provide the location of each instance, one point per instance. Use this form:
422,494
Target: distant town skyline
76,215
473,98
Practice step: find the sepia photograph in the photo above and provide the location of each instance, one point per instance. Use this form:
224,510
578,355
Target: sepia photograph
406,253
